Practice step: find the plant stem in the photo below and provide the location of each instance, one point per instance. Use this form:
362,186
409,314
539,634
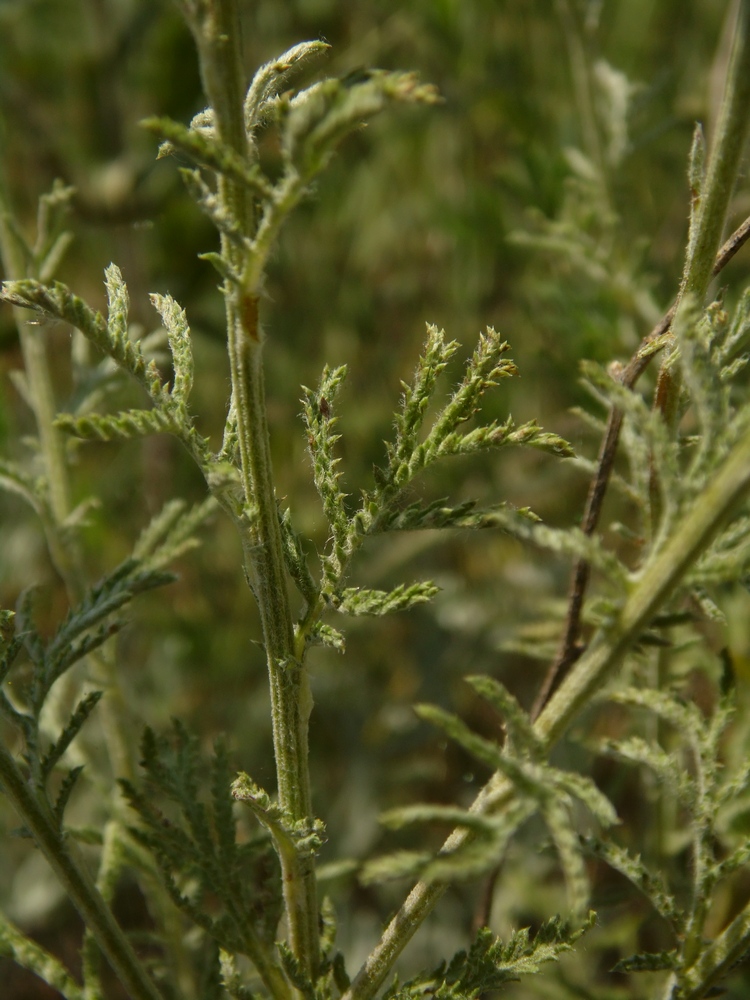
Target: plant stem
723,165
717,188
62,546
77,883
216,29
41,400
658,580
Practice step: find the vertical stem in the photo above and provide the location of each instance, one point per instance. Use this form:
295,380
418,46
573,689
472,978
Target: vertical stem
216,28
41,398
731,133
723,166
63,548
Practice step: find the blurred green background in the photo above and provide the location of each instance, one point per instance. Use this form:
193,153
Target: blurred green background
528,201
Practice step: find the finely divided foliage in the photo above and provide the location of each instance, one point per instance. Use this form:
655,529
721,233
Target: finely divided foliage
229,869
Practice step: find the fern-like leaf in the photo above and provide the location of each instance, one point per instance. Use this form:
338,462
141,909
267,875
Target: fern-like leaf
178,332
361,601
491,963
82,711
117,426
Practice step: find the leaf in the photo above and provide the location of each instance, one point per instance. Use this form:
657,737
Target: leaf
568,847
321,439
649,883
517,721
172,532
316,119
296,560
636,750
117,426
420,516
222,267
399,864
490,963
56,301
295,972
198,853
83,709
482,749
323,635
203,147
209,202
361,601
15,479
66,789
178,332
396,819
275,76
416,398
648,961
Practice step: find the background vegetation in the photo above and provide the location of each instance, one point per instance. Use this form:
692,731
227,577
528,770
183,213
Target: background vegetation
479,212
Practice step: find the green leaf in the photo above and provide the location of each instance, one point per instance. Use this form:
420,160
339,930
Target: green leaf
210,203
396,819
198,854
178,332
66,789
491,963
417,395
648,961
517,721
315,120
320,423
117,426
15,479
400,864
83,709
650,884
636,750
361,601
201,144
323,635
275,76
567,844
56,301
482,749
296,560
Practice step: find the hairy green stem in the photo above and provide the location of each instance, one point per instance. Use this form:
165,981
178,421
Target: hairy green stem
716,191
77,883
216,28
658,580
723,165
